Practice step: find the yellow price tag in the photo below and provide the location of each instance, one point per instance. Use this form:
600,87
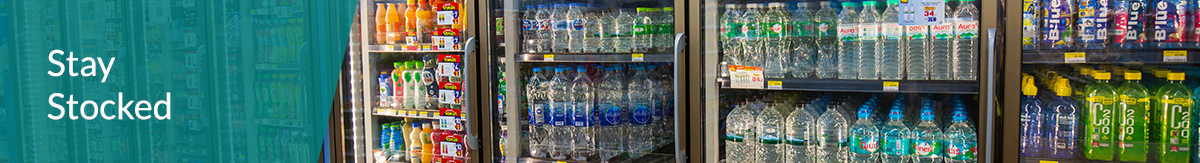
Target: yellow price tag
638,57
424,114
389,47
774,84
1075,57
891,86
1175,56
1047,161
548,57
410,112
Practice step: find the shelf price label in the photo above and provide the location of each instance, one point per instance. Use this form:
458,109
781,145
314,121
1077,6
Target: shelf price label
423,114
1175,56
891,86
1047,161
412,113
389,47
746,77
638,57
1075,57
548,57
777,85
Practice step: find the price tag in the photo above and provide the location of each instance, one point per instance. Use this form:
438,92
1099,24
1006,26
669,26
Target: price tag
447,96
389,47
412,113
380,111
922,12
1047,161
775,85
891,86
449,123
1075,57
746,77
548,57
638,57
1175,56
424,114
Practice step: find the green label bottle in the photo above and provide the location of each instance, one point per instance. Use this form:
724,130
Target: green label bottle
1101,114
1133,105
1175,104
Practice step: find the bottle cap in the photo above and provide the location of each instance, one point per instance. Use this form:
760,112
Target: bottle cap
1133,75
895,113
559,5
418,64
608,69
775,4
864,112
558,69
668,9
397,64
529,7
1175,76
731,6
643,9
1027,86
868,3
581,69
535,69
848,4
639,68
1161,73
1086,71
541,6
892,2
926,113
824,3
1101,75
1062,87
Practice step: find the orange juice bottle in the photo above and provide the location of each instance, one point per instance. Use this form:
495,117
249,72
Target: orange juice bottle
410,26
425,20
391,18
380,23
462,16
427,139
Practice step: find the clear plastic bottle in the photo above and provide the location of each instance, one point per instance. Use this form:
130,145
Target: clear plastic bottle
940,54
1061,122
827,36
1174,116
1031,16
738,130
529,26
770,135
640,104
848,41
870,48
731,34
897,138
864,138
832,128
1169,27
1100,123
752,44
610,102
1131,113
560,24
966,40
775,41
803,42
537,113
666,29
622,30
1137,26
799,131
543,32
1057,31
1093,23
960,138
927,138
1032,119
560,95
916,47
577,26
583,101
643,30
601,40
891,48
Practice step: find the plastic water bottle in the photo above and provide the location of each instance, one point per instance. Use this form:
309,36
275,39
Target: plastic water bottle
583,100
1031,119
529,27
966,31
1174,118
798,128
544,34
622,29
752,44
1100,126
832,129
916,46
960,139
643,30
576,28
927,138
666,29
848,41
864,138
537,113
560,94
803,42
1132,110
1093,23
657,95
770,136
871,46
731,34
737,130
774,31
610,102
897,139
640,104
939,49
891,51
1061,122
602,31
1031,17
560,25
826,34
1058,31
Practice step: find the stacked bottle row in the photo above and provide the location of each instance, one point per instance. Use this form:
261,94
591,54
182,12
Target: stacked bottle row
1103,24
417,21
583,28
410,85
817,128
859,43
1146,118
571,116
411,140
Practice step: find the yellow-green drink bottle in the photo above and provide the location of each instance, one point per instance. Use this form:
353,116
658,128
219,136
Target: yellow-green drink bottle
1175,104
1133,106
1101,113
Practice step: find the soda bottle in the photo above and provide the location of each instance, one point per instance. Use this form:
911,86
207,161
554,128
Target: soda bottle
610,101
1093,24
769,135
529,27
897,138
1100,100
1058,31
831,143
799,133
537,102
1175,117
871,48
752,44
583,100
1061,121
1031,119
960,138
1170,23
1132,115
731,34
927,137
864,138
803,43
1031,15
848,41
826,35
966,29
774,24
891,53
939,56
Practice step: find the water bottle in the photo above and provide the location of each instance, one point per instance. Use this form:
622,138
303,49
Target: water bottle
529,27
864,138
596,39
939,56
576,22
640,104
583,100
960,139
848,42
775,44
803,43
537,114
832,129
871,46
916,41
737,131
544,34
622,29
1092,24
826,34
799,130
927,138
666,29
1031,119
769,135
656,111
560,25
751,42
731,34
643,30
559,100
610,102
967,30
1061,122
897,138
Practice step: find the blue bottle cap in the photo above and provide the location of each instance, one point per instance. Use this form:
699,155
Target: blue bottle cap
608,69
926,114
958,116
864,112
619,67
896,113
559,69
535,69
651,66
541,6
639,68
581,69
529,7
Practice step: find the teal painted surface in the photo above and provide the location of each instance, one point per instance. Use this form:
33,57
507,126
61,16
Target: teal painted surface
249,81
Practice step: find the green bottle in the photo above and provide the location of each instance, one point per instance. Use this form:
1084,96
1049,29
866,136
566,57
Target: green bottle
1175,103
1133,105
1101,112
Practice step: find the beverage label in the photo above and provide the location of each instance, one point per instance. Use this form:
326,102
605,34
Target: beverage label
795,140
1169,20
732,29
961,150
927,148
769,138
1135,26
1066,125
1132,129
917,32
537,114
581,116
1029,15
526,25
774,29
966,28
1120,22
868,31
825,28
656,112
1093,21
609,114
864,144
1057,29
1195,37
751,30
643,29
641,114
847,33
897,146
1175,131
667,28
1100,122
892,31
942,31
545,24
576,24
730,136
558,113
